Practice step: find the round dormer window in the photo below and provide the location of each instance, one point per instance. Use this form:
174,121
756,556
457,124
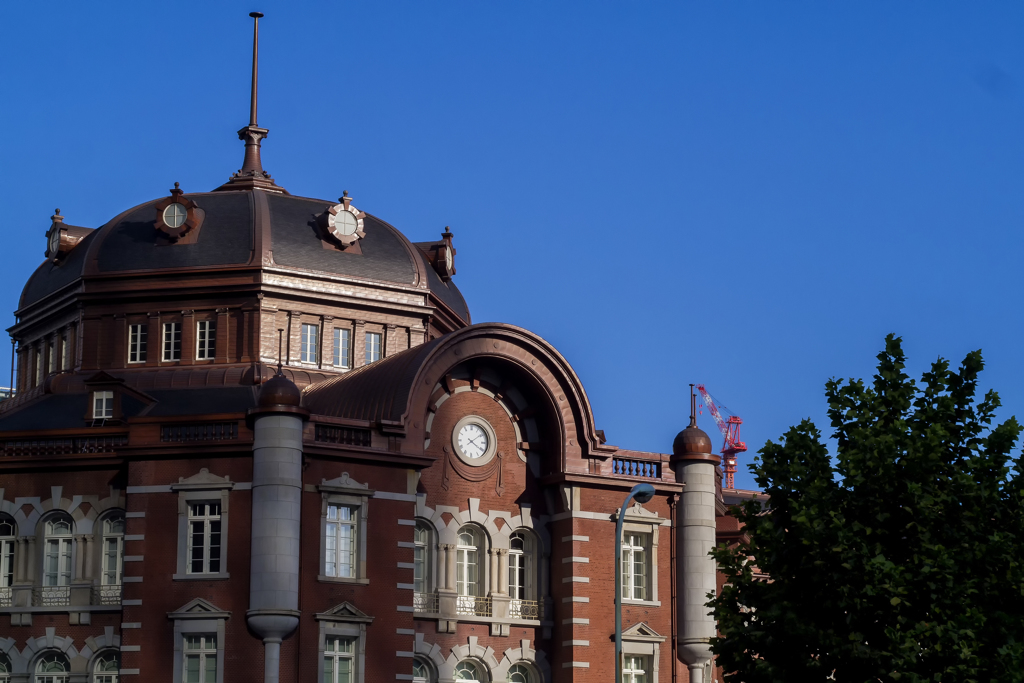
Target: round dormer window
175,215
345,224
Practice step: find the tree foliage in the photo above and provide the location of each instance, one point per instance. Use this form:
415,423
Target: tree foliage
898,559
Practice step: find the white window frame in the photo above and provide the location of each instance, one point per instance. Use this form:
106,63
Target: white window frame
5,668
202,647
640,640
137,342
51,676
480,671
204,516
106,676
526,672
102,405
372,348
198,618
344,621
51,355
61,546
522,566
112,539
336,656
469,556
344,492
170,342
40,359
635,550
635,668
426,667
648,524
341,541
202,488
7,544
423,557
65,352
342,347
309,348
206,340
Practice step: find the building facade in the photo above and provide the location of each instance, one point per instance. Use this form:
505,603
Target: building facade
256,436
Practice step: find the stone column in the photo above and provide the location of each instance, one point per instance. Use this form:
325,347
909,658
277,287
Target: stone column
30,563
90,544
503,571
492,566
694,466
276,504
20,558
449,573
79,557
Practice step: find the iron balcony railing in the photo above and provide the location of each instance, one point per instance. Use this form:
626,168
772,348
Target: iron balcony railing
106,595
425,602
473,605
51,596
524,609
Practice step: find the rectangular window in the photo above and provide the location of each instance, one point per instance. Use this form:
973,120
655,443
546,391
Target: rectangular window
57,562
634,669
172,341
7,560
137,343
634,566
342,347
39,365
421,539
200,659
205,337
102,405
339,656
65,352
372,347
310,336
203,538
340,544
51,355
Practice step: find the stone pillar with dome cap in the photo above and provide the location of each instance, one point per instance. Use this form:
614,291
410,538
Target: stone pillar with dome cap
696,574
276,503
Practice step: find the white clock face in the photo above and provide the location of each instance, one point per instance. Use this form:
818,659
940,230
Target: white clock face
473,440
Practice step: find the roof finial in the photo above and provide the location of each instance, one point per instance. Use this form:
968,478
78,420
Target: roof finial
252,175
280,342
693,408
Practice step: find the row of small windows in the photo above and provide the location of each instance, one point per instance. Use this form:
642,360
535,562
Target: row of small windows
309,351
170,343
54,667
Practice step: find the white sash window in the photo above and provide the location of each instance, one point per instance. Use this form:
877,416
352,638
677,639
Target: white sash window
204,531
57,559
339,660
200,664
634,566
340,544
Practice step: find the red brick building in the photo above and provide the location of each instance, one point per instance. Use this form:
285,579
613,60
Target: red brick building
407,496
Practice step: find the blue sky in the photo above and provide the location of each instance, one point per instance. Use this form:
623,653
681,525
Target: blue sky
745,194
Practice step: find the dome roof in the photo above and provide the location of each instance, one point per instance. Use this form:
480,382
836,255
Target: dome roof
244,228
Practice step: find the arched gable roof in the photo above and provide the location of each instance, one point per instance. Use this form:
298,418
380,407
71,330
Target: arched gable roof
394,393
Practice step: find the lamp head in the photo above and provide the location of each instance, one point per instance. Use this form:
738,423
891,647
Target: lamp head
643,493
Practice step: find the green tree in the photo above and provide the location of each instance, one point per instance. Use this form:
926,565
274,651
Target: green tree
898,559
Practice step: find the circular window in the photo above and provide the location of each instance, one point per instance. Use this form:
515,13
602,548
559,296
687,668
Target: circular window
345,223
474,440
174,215
54,242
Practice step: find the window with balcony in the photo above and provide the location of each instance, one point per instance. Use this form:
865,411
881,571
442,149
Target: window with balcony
205,339
635,549
172,342
310,341
102,405
372,347
137,343
341,540
57,549
112,559
342,348
522,582
8,536
107,667
469,573
52,667
204,538
424,597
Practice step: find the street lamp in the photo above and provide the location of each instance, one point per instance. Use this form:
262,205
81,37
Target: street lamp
642,493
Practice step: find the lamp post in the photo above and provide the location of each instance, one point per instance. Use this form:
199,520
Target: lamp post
642,493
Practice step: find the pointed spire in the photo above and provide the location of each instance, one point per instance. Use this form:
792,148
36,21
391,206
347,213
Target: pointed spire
252,175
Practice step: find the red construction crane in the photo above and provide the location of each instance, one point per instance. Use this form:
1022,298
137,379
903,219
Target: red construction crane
730,428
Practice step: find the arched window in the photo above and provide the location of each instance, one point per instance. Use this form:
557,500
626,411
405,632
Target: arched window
113,550
52,667
8,534
5,668
467,562
422,671
522,580
520,673
57,562
469,671
106,668
423,557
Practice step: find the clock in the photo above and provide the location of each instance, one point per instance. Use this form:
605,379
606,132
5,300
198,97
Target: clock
474,440
54,237
53,245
